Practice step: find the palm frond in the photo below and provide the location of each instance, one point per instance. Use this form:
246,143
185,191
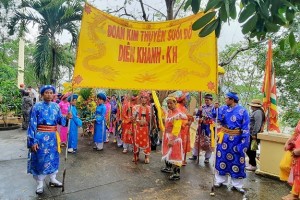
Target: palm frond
43,57
72,29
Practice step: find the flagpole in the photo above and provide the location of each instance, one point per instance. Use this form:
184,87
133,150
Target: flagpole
200,128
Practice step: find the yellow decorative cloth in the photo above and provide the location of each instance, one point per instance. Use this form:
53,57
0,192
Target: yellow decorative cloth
58,142
285,166
176,127
212,135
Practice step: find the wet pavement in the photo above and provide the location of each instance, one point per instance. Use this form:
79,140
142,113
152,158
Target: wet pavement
109,174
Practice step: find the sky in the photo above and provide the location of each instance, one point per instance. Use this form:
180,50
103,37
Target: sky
231,33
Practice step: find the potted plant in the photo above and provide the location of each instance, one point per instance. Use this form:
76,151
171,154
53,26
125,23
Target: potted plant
10,100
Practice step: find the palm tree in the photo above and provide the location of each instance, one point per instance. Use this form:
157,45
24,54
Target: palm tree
52,17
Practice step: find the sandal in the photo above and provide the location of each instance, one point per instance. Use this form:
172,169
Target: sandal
133,159
147,160
290,197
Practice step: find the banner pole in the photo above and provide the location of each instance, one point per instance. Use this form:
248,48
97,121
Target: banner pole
200,127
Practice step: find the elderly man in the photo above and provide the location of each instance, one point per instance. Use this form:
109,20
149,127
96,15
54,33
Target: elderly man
204,114
43,140
27,104
233,141
172,146
257,120
33,94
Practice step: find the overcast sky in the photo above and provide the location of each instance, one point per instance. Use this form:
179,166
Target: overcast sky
231,33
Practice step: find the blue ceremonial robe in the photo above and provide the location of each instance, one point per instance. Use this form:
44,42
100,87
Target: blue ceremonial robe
100,128
206,113
46,159
230,159
75,122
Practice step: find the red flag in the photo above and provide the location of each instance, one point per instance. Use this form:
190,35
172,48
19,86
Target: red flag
270,94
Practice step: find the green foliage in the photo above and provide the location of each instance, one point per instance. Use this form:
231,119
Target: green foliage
85,93
243,74
203,20
7,73
10,98
9,58
195,5
287,75
291,117
259,17
53,17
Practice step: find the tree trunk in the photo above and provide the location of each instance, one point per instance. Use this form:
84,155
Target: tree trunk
54,68
170,15
170,9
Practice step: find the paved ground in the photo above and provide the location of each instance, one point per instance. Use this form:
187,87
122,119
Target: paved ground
109,174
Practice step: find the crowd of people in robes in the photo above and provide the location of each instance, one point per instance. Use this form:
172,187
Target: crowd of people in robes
131,120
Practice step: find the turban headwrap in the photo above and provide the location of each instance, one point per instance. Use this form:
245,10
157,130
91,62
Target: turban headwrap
73,96
101,96
208,96
182,96
66,95
134,98
144,94
47,87
232,95
171,98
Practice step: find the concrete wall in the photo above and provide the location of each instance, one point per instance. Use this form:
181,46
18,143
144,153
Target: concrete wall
271,152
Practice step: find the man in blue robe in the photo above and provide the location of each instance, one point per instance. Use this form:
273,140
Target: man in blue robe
205,119
43,139
233,141
100,124
75,122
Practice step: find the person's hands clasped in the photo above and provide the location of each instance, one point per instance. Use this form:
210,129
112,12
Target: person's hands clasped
170,143
142,122
69,116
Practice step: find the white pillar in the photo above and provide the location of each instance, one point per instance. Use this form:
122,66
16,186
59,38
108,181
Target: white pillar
21,62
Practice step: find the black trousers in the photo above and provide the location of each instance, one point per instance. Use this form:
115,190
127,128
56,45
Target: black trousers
251,154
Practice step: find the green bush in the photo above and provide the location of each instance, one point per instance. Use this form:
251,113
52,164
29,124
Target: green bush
10,97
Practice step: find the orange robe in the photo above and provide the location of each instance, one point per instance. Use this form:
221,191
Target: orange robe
174,154
296,163
127,132
185,133
141,132
296,170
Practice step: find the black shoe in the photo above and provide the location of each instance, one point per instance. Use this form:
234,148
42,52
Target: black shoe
174,177
55,184
193,158
166,170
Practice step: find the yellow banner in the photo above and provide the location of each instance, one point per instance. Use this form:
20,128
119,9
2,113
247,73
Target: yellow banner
124,54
